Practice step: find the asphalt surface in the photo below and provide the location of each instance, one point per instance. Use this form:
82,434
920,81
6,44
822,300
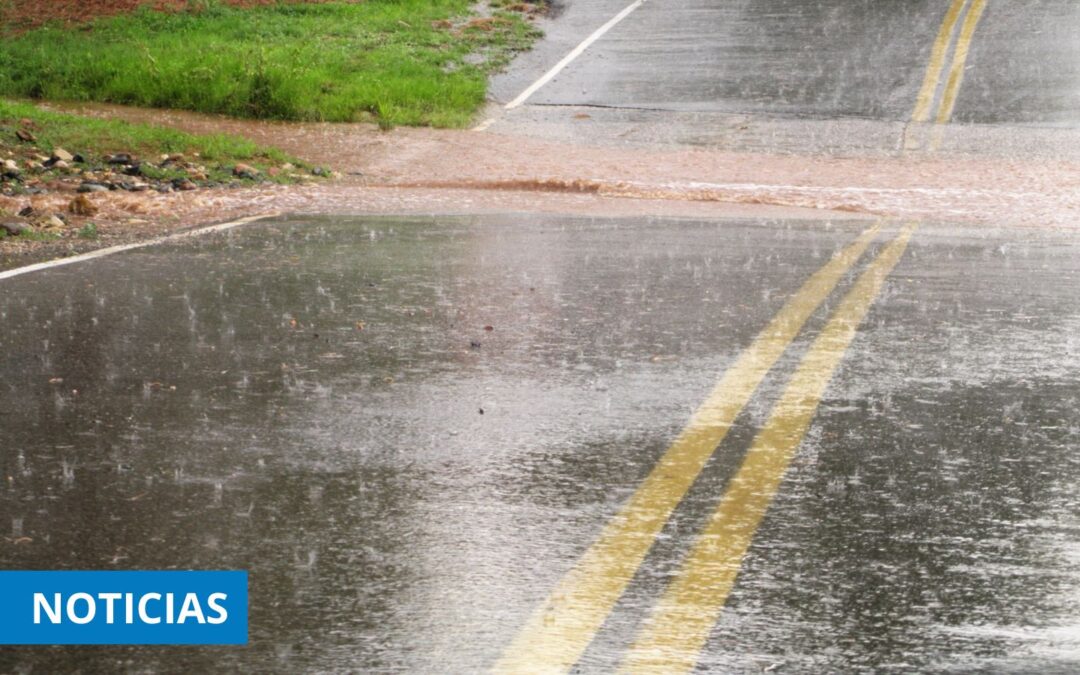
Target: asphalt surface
405,495
832,76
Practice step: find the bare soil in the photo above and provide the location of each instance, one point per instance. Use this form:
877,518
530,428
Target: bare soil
23,14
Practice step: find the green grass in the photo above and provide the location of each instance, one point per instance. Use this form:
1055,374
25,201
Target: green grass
95,138
34,235
389,61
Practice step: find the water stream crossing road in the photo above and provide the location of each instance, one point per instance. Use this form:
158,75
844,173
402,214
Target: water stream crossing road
525,442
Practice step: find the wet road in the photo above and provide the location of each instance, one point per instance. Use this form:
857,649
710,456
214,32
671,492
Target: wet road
321,402
764,74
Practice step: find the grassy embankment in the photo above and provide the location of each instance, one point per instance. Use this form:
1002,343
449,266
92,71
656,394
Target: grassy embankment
96,138
409,62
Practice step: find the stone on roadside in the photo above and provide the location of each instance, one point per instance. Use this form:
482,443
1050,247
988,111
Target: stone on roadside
60,154
184,185
26,212
82,206
61,165
120,158
14,227
25,136
245,171
53,223
90,186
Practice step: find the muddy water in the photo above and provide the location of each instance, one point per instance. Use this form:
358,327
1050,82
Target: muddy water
988,189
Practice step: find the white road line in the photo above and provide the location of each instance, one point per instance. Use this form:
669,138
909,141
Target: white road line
524,96
100,253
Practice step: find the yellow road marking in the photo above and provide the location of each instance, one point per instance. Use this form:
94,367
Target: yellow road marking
680,624
956,73
925,98
555,636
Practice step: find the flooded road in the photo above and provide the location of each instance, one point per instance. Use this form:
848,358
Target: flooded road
411,430
792,392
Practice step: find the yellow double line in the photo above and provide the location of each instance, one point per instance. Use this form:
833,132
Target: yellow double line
680,624
557,634
924,102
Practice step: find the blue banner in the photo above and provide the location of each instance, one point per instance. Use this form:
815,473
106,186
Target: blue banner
132,608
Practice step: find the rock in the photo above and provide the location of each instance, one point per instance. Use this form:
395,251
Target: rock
133,170
120,158
287,166
197,175
82,206
11,165
79,159
60,154
14,227
53,223
319,171
90,186
61,165
27,211
245,171
184,185
25,136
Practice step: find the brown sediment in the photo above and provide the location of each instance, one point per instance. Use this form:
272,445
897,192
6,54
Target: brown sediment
986,190
517,185
430,171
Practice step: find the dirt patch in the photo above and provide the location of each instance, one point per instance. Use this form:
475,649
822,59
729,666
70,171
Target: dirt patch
433,171
24,14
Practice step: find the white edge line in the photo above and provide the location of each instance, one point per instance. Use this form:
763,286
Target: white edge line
557,68
100,253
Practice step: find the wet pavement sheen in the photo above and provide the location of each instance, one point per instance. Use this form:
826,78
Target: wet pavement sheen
832,76
321,402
